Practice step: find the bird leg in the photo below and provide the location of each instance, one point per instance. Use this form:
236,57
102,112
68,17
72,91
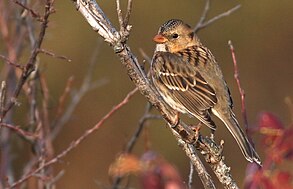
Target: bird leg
189,134
191,138
177,120
197,127
212,137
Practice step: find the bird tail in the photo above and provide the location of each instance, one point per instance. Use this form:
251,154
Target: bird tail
246,148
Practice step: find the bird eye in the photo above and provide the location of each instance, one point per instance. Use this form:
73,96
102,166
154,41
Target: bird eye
175,35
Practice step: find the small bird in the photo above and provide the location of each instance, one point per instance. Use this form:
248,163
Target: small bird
187,76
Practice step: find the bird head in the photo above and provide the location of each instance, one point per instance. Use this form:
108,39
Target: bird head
175,35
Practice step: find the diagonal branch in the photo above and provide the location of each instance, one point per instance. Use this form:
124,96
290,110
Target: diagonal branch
202,21
203,16
184,135
128,12
21,67
30,66
86,86
76,142
130,145
31,11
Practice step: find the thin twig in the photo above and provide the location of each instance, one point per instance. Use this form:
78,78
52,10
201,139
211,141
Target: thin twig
129,147
203,16
56,178
191,153
190,176
27,135
76,98
214,19
76,142
8,73
120,16
136,134
145,56
63,97
93,62
123,22
29,67
31,11
21,67
141,125
44,143
182,132
14,37
241,91
86,86
2,98
54,55
128,13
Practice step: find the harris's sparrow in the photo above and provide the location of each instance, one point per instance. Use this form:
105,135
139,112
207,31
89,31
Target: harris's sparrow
188,78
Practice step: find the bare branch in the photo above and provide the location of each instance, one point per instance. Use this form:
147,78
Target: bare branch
86,86
93,62
212,153
31,11
2,99
191,153
29,67
223,173
129,147
203,16
202,23
146,116
27,135
190,176
76,142
54,55
241,91
62,98
145,56
120,16
128,12
56,179
182,132
96,18
21,67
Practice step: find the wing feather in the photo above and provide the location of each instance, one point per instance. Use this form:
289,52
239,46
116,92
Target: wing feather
185,85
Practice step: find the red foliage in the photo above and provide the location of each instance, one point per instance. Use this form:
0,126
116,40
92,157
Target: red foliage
277,142
270,127
161,176
153,171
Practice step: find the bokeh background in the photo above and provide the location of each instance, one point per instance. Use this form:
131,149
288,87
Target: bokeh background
261,31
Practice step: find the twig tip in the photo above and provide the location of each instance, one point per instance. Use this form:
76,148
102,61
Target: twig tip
230,45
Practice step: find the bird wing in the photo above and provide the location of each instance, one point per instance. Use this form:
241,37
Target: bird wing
186,85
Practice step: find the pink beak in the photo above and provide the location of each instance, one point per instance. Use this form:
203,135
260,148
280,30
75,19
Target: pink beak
160,39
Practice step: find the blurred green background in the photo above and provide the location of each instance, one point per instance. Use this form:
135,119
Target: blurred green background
261,31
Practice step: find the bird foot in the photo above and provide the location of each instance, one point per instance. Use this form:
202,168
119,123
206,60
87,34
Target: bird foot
189,133
211,151
190,137
197,127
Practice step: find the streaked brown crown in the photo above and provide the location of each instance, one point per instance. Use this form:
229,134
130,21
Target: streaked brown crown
170,24
176,35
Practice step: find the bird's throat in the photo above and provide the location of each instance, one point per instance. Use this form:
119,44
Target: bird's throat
161,48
